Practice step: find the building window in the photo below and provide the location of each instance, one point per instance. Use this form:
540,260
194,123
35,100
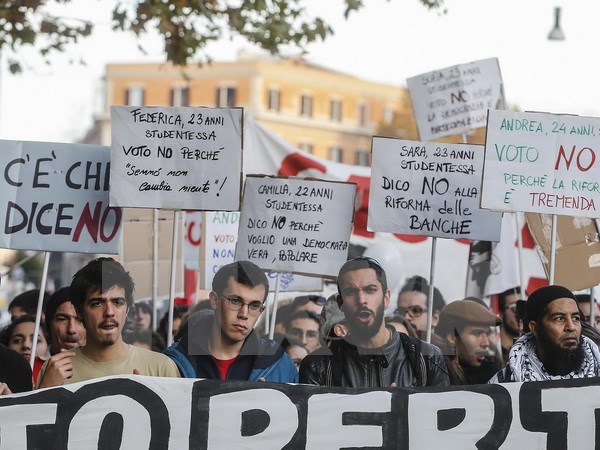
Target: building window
273,100
363,114
362,158
306,146
388,114
134,96
306,106
335,110
180,96
225,97
336,153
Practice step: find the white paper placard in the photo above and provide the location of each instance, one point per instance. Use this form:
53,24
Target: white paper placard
541,162
296,225
455,99
176,158
220,236
429,189
54,197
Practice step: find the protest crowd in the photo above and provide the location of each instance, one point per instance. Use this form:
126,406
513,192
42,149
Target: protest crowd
93,328
374,327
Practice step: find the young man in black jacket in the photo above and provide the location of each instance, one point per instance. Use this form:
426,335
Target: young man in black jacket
371,354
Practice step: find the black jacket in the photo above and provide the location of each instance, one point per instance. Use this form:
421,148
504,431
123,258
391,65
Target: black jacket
348,366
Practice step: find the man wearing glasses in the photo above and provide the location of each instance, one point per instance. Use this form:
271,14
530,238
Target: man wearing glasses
224,346
371,354
412,304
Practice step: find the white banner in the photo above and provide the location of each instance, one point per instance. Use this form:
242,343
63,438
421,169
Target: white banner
160,413
176,158
54,197
429,189
540,162
296,225
455,99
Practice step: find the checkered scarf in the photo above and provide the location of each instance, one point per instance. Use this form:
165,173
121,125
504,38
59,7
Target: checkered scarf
525,365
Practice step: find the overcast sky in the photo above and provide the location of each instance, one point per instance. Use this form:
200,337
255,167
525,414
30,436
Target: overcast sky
387,41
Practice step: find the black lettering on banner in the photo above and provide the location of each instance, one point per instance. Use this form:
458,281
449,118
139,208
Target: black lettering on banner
556,423
56,434
452,413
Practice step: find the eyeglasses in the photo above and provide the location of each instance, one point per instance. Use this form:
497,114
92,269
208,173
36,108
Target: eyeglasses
414,311
235,303
512,307
304,299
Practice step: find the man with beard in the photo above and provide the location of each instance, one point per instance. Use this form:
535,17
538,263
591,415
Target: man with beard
371,354
554,349
102,294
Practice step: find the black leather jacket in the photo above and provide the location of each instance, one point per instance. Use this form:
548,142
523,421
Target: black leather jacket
343,364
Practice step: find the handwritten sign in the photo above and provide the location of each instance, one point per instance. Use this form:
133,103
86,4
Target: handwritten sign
176,158
455,100
54,197
429,189
540,162
210,239
296,225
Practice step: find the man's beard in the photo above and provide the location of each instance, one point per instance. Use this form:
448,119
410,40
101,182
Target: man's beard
510,330
560,361
361,331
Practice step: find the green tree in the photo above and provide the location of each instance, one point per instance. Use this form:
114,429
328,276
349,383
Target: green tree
186,26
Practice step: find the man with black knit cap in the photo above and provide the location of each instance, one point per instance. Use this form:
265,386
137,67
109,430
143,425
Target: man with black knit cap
555,348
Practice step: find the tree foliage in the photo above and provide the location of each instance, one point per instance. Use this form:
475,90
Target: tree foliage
186,26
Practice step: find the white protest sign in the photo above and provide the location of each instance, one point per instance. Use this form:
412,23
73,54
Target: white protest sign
429,189
176,158
54,197
220,236
296,225
540,162
455,99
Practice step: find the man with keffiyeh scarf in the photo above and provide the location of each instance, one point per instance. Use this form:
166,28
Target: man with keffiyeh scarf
554,349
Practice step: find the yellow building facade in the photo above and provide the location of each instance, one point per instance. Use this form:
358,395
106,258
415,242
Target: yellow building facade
330,114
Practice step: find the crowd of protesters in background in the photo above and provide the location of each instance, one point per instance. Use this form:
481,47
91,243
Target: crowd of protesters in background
94,328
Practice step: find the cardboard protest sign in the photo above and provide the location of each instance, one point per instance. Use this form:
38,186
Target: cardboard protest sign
181,413
176,158
577,249
54,197
455,99
220,236
296,225
137,252
540,162
429,189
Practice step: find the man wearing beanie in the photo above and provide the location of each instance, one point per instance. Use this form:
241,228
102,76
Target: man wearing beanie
554,349
465,327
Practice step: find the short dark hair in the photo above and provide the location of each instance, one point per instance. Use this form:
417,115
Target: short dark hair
100,274
502,296
59,297
302,315
28,301
417,283
244,272
363,262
